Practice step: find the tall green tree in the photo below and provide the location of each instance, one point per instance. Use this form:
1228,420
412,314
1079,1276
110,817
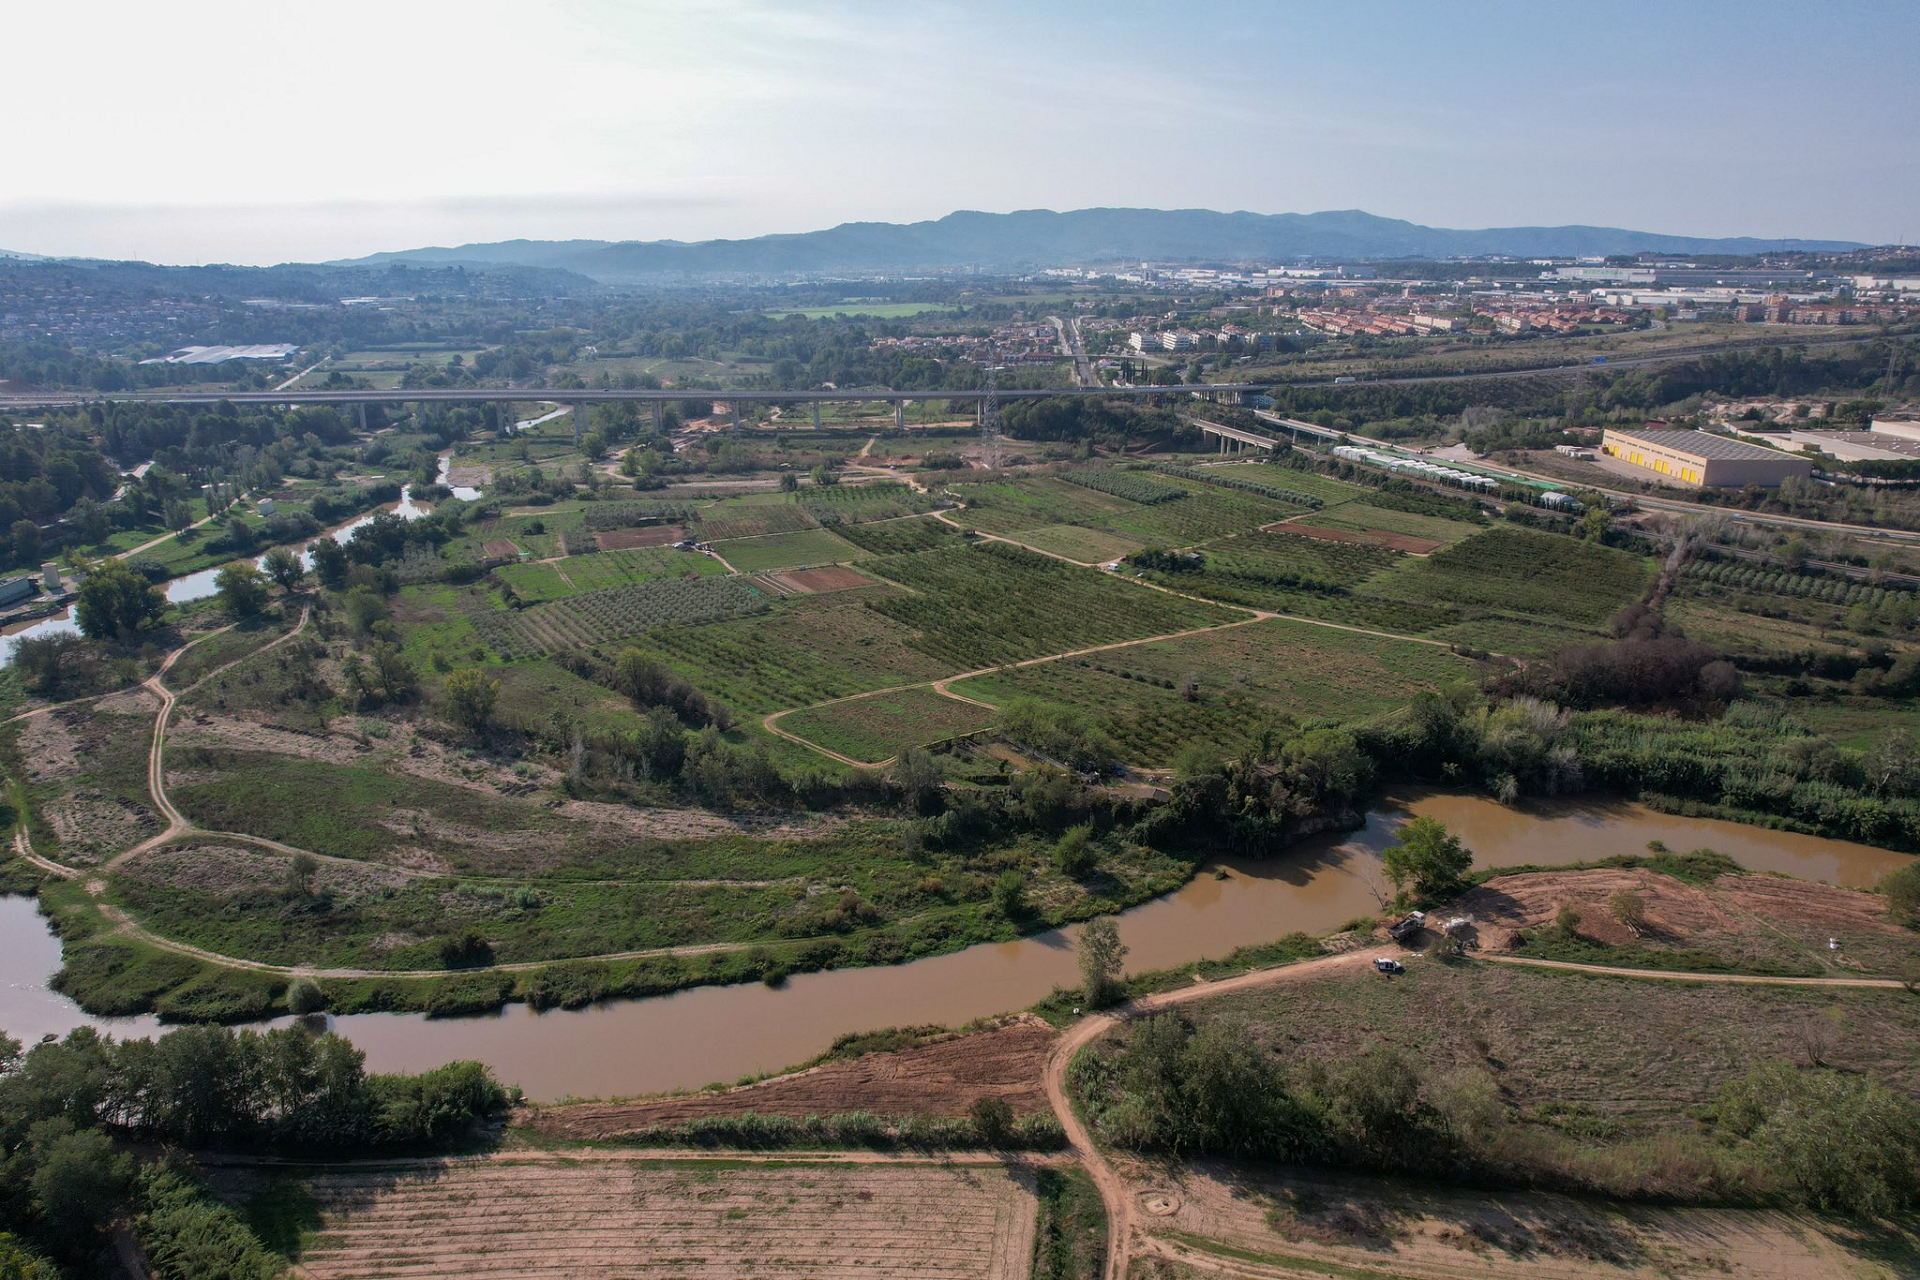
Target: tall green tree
1427,860
242,588
116,603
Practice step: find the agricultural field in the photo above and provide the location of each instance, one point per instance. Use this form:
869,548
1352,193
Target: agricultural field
540,581
615,614
1077,542
786,550
1204,513
586,1213
862,503
1010,507
1220,687
801,651
973,605
1529,575
898,537
875,728
754,517
1361,516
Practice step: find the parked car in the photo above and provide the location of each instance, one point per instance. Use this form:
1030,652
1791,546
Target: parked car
1385,965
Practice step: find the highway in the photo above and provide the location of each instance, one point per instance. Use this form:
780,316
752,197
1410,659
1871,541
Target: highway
1075,349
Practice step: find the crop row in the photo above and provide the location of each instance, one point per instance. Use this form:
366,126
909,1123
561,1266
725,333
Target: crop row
991,603
1130,485
1273,491
616,613
897,537
621,515
1523,572
1806,586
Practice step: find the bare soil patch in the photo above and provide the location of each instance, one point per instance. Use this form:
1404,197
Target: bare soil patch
1372,537
201,729
602,1216
501,549
49,748
1314,1224
1506,905
224,870
937,1079
92,826
833,577
658,535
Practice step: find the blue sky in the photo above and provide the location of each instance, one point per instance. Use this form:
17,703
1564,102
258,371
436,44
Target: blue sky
250,133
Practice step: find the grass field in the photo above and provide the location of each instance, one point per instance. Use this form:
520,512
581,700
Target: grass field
877,310
872,729
1077,542
1242,679
786,550
1522,573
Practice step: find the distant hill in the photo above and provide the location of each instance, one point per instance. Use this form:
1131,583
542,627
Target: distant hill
1083,237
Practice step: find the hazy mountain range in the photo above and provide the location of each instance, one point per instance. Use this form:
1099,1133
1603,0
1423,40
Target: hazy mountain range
1084,237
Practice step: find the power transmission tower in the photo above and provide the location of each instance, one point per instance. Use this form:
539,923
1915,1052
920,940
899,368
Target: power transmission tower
990,451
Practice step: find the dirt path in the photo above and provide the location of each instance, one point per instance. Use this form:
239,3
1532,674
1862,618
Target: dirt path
1114,1190
150,544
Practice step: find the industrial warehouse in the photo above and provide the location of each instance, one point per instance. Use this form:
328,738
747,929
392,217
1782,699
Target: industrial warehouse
1701,460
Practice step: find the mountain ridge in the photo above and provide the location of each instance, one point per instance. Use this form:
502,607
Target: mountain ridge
1029,238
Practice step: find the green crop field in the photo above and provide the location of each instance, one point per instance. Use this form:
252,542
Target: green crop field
1523,573
556,580
614,614
1009,507
1361,517
875,728
1219,687
751,518
1205,513
897,537
785,550
990,603
1077,542
801,651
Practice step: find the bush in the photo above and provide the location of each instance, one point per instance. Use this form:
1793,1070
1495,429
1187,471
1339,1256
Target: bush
304,996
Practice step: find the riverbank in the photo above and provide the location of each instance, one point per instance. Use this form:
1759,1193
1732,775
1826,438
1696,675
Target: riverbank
693,1037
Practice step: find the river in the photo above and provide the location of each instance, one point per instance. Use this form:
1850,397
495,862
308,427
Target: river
710,1034
200,585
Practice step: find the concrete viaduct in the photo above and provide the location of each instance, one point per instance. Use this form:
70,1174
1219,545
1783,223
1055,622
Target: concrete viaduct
503,397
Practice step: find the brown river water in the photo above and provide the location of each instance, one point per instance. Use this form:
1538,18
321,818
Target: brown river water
709,1034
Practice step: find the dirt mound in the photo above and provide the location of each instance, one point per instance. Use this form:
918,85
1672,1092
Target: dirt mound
940,1078
1505,905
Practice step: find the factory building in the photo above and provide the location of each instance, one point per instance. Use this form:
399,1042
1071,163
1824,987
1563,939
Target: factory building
1703,460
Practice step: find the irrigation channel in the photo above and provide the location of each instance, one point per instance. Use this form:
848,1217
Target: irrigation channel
709,1034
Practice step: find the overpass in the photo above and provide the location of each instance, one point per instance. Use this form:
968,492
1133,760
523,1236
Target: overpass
1234,439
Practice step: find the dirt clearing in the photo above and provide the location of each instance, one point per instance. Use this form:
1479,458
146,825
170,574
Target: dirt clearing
588,1216
835,577
940,1078
1318,1225
501,549
659,535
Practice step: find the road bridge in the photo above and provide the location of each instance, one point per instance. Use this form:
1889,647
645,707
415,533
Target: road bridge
1235,439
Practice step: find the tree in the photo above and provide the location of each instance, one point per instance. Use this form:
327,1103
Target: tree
1630,909
917,775
45,662
471,695
1101,953
1428,859
1074,853
284,567
1593,523
243,589
79,1182
396,675
1008,892
992,1118
116,603
26,541
824,476
304,996
1902,891
329,563
788,482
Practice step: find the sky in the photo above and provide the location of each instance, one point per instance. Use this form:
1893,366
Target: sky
257,133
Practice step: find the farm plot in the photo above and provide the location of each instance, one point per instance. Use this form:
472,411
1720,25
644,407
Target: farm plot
537,582
1437,530
863,503
1077,542
1134,486
874,728
753,518
1270,569
659,535
982,605
1524,574
590,1214
1330,491
804,650
897,537
1221,686
1012,506
1205,513
806,582
785,550
1370,537
612,615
